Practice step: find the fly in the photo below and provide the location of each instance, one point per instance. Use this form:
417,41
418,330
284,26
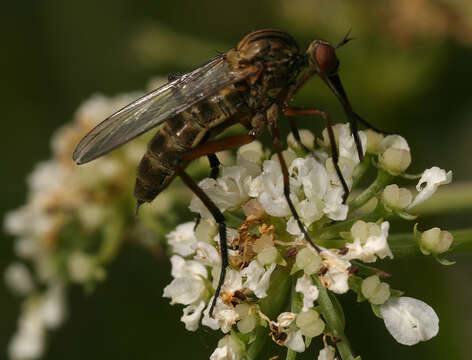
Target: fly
250,84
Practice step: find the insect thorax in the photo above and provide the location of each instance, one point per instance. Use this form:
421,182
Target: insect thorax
278,56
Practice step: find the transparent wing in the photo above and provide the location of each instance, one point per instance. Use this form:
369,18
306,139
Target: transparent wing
157,107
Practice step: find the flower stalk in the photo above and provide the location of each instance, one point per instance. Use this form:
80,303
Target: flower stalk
334,320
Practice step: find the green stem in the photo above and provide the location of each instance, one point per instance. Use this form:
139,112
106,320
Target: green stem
383,178
361,169
333,320
295,306
332,231
271,306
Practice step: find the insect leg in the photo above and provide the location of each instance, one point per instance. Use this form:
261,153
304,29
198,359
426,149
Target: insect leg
296,134
334,150
214,165
213,146
370,126
357,140
215,169
207,149
272,117
219,218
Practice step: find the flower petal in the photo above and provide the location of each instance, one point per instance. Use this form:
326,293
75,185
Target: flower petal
432,178
309,291
409,320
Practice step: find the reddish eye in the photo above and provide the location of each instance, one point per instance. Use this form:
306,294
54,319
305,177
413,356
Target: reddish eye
326,58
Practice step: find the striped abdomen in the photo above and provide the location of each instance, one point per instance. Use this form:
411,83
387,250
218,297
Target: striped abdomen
180,134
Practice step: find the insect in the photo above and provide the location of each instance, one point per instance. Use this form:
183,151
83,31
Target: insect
250,84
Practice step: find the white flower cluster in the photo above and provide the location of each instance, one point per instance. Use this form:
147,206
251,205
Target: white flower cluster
268,240
67,208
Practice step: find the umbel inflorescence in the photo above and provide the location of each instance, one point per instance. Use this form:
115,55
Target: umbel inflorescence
277,281
278,289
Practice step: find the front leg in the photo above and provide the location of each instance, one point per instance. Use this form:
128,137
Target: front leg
272,117
290,111
214,171
209,149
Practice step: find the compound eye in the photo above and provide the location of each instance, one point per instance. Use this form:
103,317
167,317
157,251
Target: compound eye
326,58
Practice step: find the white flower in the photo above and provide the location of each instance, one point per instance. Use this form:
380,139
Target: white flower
272,196
306,138
229,348
18,279
230,190
345,141
295,341
409,320
257,278
337,276
432,177
374,290
327,353
370,241
206,254
29,341
395,155
182,239
310,323
44,312
192,314
80,267
53,307
188,285
224,316
309,291
394,142
435,241
396,197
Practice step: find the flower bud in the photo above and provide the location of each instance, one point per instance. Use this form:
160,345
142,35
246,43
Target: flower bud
306,137
253,208
310,323
395,160
435,241
288,155
206,230
375,291
268,255
374,140
362,230
252,152
248,320
396,197
80,267
308,261
263,242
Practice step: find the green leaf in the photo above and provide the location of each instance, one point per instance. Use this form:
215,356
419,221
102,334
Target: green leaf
308,341
291,355
253,229
376,310
443,260
271,306
411,176
406,216
295,269
355,284
396,293
234,219
339,309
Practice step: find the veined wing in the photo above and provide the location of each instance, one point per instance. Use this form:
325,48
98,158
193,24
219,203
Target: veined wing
157,107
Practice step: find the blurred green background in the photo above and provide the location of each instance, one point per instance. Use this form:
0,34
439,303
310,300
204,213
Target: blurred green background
407,72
